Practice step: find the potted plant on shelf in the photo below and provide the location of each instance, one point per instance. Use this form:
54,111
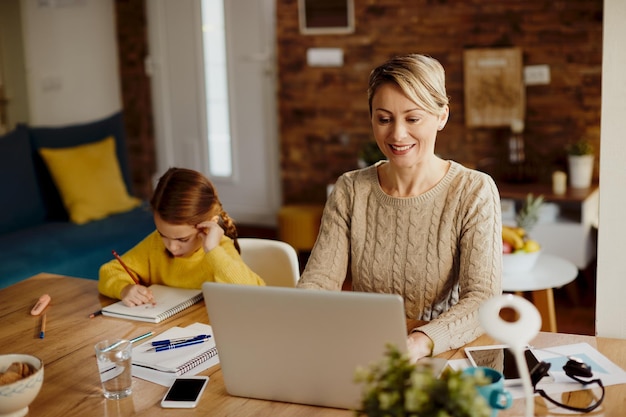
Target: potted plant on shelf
394,387
580,157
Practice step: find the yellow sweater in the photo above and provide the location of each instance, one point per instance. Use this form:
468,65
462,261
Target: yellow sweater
150,261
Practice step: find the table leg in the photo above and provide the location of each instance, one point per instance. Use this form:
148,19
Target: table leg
544,301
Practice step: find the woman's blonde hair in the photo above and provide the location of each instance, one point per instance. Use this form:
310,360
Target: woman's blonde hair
185,196
420,77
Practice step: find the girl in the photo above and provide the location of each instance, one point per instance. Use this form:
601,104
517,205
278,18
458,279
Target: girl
195,241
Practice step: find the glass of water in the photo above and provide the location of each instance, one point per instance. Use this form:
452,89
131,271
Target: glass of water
114,365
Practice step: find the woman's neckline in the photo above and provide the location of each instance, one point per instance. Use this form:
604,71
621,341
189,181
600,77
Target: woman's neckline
430,187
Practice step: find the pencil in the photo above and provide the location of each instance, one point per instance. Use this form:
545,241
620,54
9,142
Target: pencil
128,271
43,326
119,342
95,313
143,336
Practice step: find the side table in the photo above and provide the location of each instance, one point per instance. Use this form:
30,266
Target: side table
549,272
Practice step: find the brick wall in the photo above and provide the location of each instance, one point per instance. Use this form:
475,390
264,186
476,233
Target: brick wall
136,95
323,112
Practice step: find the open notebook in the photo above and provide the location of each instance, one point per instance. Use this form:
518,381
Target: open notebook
169,301
163,367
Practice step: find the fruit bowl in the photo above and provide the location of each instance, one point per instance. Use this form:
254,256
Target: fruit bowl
15,397
520,261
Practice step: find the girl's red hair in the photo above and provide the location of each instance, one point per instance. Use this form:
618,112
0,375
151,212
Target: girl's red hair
185,196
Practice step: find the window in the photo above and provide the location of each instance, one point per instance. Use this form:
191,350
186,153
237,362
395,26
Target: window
216,88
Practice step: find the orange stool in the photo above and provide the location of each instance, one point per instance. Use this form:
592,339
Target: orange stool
299,225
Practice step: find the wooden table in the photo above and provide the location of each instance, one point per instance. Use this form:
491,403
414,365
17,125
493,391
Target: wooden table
71,383
548,273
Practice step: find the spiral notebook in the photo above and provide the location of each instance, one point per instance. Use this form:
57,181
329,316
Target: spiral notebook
163,367
169,301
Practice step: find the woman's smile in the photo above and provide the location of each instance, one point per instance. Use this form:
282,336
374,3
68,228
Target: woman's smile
400,149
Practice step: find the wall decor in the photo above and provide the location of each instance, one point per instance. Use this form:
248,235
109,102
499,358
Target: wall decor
494,87
322,17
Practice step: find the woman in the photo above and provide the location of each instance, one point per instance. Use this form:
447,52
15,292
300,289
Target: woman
416,225
195,241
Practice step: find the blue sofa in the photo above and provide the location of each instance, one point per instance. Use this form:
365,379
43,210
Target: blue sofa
36,234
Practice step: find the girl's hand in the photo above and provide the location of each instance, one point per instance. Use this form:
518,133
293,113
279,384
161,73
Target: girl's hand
211,233
136,295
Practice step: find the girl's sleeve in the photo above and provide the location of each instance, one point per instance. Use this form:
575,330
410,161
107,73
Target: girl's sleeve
225,265
113,277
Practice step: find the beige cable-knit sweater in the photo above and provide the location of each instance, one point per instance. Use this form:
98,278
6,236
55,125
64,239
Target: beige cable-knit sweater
441,251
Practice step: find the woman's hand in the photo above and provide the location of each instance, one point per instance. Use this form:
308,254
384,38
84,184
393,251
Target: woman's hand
211,234
419,346
136,295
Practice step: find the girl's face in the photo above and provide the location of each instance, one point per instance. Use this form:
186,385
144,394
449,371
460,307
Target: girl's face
179,239
404,132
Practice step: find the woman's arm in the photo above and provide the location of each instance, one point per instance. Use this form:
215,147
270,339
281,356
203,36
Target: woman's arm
328,264
480,268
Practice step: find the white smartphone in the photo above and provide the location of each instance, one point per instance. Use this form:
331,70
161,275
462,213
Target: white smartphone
500,358
185,392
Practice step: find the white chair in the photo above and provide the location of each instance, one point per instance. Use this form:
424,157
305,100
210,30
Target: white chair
273,260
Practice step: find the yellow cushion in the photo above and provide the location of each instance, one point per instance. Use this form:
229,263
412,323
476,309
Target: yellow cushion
89,180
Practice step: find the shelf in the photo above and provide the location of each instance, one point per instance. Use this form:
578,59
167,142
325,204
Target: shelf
520,191
571,235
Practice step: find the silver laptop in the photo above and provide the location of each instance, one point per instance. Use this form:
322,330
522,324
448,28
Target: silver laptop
300,346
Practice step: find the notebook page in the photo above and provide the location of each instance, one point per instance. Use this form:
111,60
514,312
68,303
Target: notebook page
161,367
169,301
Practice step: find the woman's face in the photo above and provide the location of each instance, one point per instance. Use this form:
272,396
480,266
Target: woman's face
404,132
179,239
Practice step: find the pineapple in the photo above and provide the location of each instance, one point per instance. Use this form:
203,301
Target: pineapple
528,215
517,239
526,219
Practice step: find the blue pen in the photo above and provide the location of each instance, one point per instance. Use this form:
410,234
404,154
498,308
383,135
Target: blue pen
179,345
174,341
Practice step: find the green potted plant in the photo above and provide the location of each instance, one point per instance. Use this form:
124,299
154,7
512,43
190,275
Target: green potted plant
580,147
580,157
394,387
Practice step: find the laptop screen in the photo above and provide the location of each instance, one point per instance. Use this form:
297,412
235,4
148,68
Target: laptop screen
301,346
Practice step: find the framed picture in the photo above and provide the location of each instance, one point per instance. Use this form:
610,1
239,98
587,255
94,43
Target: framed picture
494,87
322,17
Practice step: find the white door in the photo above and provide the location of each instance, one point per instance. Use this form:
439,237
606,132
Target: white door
252,194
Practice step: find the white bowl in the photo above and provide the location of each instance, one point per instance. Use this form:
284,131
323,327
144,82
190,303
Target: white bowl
17,396
513,263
